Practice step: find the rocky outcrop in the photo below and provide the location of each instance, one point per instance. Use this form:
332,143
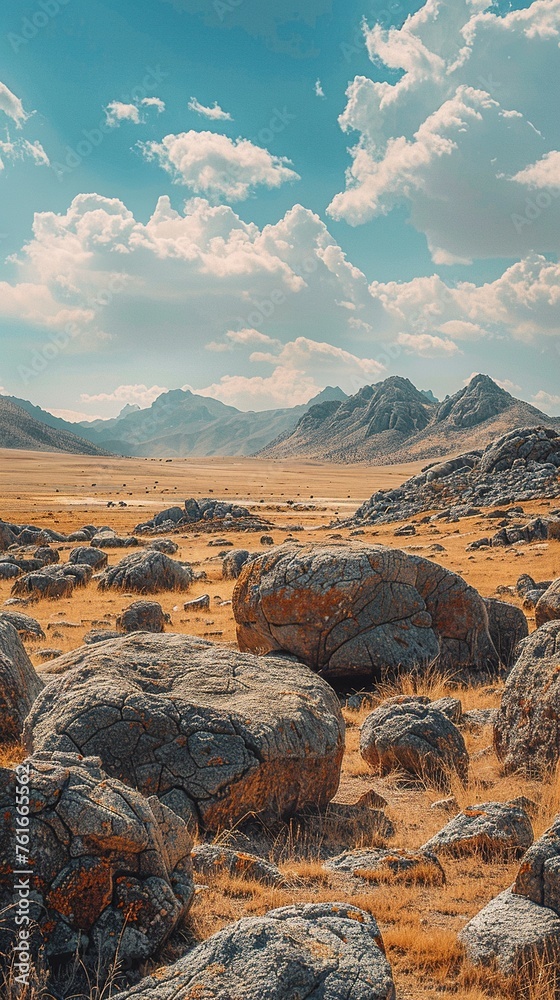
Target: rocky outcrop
403,734
19,684
111,869
492,830
331,951
357,610
27,627
527,724
216,734
538,875
147,572
42,583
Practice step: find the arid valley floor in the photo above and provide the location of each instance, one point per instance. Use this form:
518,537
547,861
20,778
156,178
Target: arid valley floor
419,922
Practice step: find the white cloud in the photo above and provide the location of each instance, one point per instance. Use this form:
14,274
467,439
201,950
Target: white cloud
214,165
22,149
319,92
139,394
548,401
285,387
426,345
12,106
215,112
464,135
153,102
74,416
117,112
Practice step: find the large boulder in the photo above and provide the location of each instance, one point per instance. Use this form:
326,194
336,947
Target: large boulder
507,626
548,606
142,616
213,861
147,572
493,830
27,627
527,723
351,609
538,878
407,735
7,536
111,869
233,563
89,556
513,933
216,734
322,951
19,684
42,583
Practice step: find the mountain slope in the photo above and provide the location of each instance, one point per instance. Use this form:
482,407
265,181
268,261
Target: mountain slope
18,429
393,422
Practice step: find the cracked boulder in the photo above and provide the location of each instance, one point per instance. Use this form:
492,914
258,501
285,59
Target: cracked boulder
548,605
493,830
322,951
111,869
216,734
404,734
19,684
388,865
350,610
147,572
527,723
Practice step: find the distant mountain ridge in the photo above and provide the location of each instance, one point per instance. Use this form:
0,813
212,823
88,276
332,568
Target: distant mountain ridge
19,429
392,422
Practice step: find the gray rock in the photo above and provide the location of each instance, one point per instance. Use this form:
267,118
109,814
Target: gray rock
41,583
214,733
19,684
147,572
7,536
143,616
491,829
89,556
213,861
351,610
513,933
233,562
111,869
507,626
46,555
451,707
548,606
527,724
174,514
109,540
414,738
323,951
538,878
27,627
166,545
9,570
382,864
100,635
201,603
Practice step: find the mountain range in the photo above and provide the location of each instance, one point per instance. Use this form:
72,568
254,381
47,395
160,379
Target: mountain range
388,422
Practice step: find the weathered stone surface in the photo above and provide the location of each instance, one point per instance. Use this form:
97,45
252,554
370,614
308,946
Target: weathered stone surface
211,861
406,735
211,731
538,878
381,865
143,616
507,626
27,627
512,932
9,570
147,572
233,562
89,556
351,609
7,536
46,555
19,684
109,540
492,829
323,951
166,545
548,606
527,724
41,583
111,868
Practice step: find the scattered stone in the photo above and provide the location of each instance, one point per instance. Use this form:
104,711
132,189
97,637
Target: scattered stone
109,540
266,540
48,654
143,616
9,570
381,865
490,829
147,572
211,860
166,545
449,804
201,603
100,635
89,556
46,555
233,563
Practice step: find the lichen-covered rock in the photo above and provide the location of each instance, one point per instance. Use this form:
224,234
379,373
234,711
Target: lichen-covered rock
404,734
527,724
111,869
143,616
351,609
233,562
491,829
322,951
383,864
538,878
88,555
513,933
27,627
147,572
214,733
19,684
212,861
507,626
548,606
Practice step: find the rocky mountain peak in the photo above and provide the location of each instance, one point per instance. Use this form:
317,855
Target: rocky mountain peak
480,400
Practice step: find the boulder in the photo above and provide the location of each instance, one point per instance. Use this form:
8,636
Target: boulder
331,951
351,610
9,570
89,556
147,572
507,626
513,933
216,734
19,684
527,723
109,540
27,627
233,563
547,608
143,616
406,735
530,444
212,861
7,536
79,573
493,830
538,878
111,869
174,514
393,865
46,555
166,545
41,583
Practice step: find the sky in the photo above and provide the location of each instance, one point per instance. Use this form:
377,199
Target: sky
257,200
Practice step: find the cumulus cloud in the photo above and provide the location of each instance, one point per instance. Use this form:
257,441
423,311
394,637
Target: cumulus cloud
153,102
215,112
12,106
142,395
284,387
117,112
426,345
319,92
548,401
215,165
463,145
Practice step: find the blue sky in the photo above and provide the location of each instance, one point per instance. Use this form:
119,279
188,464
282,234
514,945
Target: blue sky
392,206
